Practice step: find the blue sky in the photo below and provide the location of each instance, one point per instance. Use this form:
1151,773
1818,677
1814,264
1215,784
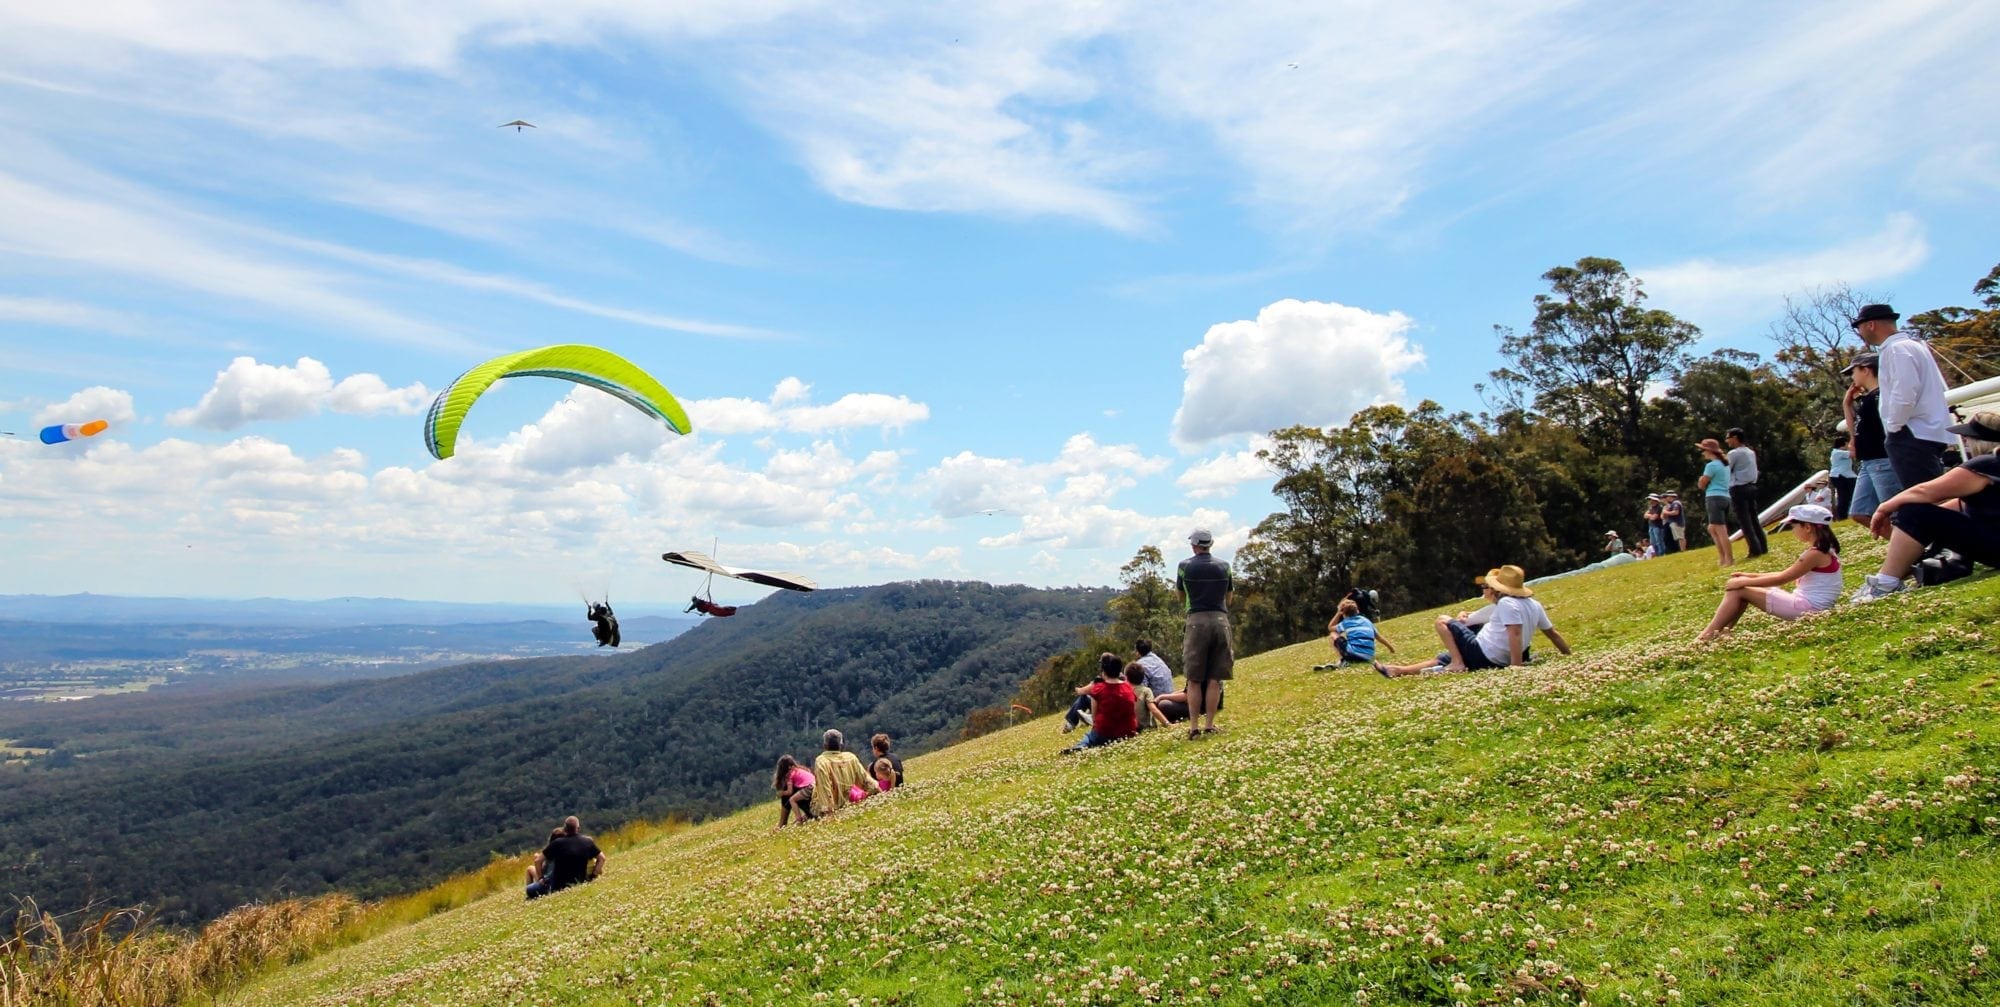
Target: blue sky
1001,293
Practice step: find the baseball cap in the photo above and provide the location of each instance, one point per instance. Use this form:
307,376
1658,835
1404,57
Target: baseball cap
1201,536
1810,514
1868,360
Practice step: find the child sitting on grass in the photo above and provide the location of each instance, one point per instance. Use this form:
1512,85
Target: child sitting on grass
1817,571
1352,636
885,775
795,790
1142,697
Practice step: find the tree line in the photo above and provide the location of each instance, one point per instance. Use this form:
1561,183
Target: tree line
1597,403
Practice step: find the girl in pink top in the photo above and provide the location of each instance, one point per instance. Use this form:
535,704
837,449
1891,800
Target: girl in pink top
885,775
1817,572
794,784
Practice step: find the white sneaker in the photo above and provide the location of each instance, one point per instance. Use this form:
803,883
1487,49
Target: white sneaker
1875,586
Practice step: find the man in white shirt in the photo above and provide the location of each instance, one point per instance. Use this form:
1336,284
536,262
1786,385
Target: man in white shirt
1913,409
1506,625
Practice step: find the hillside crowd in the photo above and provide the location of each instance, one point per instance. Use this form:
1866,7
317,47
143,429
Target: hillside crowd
1887,472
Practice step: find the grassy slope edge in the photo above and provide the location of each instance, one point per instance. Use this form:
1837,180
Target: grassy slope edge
1803,814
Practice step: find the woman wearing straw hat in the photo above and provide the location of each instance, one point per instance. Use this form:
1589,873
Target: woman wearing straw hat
1714,483
1817,572
1506,626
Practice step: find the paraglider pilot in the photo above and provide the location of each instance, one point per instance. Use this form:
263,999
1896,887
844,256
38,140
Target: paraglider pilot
604,625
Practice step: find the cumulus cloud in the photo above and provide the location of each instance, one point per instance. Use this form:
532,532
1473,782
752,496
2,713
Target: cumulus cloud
967,483
1298,362
789,408
94,403
247,392
1221,474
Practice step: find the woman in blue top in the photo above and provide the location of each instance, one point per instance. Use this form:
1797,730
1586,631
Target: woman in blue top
1714,484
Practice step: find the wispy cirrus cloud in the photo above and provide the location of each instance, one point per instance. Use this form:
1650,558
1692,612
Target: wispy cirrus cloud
1712,291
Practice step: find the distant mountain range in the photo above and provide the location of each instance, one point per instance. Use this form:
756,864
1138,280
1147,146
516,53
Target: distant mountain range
195,802
107,608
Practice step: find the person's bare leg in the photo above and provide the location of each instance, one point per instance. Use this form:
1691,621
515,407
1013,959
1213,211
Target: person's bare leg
1724,554
1726,615
1211,698
1904,552
1450,647
1443,627
1401,670
1197,701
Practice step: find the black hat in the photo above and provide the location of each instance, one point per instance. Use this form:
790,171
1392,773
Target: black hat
1868,360
1974,429
1875,313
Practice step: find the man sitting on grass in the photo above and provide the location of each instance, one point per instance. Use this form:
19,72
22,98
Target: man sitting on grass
1959,511
1506,627
571,858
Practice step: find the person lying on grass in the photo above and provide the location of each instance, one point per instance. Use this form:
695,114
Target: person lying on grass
1507,625
1817,571
1959,510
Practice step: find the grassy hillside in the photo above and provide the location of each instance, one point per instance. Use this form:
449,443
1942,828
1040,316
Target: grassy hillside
1804,814
376,788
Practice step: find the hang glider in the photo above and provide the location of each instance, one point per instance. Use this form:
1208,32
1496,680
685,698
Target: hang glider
518,125
771,578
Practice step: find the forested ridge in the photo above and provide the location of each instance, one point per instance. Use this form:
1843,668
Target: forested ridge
375,787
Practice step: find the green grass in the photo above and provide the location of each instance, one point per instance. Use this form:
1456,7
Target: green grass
1803,814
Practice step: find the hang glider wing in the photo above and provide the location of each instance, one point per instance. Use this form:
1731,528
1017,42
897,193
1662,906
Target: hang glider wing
768,578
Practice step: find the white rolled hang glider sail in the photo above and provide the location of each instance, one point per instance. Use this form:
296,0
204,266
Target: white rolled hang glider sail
768,578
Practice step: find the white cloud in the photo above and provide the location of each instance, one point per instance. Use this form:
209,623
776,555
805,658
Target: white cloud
48,311
367,394
248,392
965,484
1705,290
43,223
1221,474
1298,362
789,408
858,409
94,403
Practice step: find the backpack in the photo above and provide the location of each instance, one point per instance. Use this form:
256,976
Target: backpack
1368,601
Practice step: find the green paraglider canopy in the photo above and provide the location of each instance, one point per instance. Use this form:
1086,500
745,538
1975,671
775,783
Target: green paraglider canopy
586,365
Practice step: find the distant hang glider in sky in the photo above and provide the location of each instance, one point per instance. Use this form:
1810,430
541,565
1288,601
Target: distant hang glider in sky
779,579
518,124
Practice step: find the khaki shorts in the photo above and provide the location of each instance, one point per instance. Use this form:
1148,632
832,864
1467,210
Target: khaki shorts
1206,653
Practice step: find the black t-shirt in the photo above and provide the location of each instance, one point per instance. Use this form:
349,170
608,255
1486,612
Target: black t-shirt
1984,506
893,761
568,859
1204,581
1868,431
1674,512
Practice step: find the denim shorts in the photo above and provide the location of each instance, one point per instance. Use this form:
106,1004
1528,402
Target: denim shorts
1874,482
